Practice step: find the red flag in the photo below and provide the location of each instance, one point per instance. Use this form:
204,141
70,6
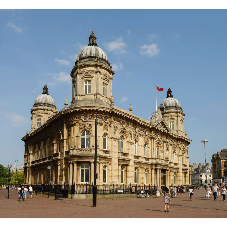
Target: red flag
159,89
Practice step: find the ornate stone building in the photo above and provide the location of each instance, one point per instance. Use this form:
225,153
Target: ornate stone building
130,149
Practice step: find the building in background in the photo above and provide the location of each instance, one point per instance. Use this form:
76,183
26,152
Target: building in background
219,165
198,175
131,150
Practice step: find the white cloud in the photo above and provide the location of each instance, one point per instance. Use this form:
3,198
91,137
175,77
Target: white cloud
17,120
14,27
123,99
62,62
129,32
118,46
62,77
152,37
150,51
117,67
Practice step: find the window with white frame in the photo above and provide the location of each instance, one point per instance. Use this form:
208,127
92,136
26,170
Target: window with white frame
104,142
105,89
122,175
38,122
85,173
135,176
145,150
85,139
87,87
104,174
121,144
171,125
135,148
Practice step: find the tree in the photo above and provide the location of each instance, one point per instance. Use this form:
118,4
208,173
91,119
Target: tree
4,172
17,178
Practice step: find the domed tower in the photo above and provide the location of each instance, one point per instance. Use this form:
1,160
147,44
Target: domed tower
44,108
172,113
92,77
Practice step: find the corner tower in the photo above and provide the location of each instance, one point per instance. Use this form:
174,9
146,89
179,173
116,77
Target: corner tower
44,108
173,113
92,77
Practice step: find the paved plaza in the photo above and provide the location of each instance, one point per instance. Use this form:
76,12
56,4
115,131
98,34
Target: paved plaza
128,207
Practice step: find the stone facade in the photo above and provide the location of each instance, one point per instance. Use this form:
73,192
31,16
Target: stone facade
131,150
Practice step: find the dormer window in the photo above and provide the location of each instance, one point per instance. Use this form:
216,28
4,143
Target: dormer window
87,87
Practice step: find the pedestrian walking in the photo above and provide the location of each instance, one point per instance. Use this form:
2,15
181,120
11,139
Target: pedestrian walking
167,201
190,193
171,192
223,192
25,192
208,192
215,190
21,193
30,191
158,192
175,191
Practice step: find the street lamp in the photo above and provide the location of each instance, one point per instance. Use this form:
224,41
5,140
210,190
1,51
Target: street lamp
205,141
48,167
9,166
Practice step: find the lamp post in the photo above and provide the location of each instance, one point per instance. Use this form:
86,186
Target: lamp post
95,161
205,141
48,167
9,166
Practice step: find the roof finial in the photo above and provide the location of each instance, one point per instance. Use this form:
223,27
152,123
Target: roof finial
66,103
92,39
45,90
169,93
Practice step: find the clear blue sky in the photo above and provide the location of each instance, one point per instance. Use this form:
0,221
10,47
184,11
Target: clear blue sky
183,49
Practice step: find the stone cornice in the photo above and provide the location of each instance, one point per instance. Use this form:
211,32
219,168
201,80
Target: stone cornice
159,126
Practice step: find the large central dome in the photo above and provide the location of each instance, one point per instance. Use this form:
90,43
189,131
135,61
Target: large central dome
92,52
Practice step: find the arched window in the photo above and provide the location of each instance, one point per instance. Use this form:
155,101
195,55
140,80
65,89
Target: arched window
85,139
85,173
121,144
104,174
104,142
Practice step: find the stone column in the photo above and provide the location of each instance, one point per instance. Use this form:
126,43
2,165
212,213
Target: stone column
157,177
75,173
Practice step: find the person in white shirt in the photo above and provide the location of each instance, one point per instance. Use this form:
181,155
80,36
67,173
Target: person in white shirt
190,193
25,192
30,191
223,192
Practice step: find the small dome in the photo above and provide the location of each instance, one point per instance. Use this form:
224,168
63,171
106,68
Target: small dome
92,53
170,102
45,99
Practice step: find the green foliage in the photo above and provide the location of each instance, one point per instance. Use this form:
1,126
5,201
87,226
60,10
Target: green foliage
4,172
17,178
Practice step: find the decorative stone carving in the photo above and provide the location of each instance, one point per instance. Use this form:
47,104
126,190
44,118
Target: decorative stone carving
85,127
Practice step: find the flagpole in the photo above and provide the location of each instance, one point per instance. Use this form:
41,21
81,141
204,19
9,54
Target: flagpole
156,97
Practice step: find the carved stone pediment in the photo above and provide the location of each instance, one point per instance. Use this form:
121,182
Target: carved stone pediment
161,125
85,127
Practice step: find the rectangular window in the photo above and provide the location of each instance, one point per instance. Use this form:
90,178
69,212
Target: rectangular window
171,125
145,176
87,87
122,175
104,174
104,142
105,89
135,148
224,164
38,122
157,152
135,176
121,145
145,150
